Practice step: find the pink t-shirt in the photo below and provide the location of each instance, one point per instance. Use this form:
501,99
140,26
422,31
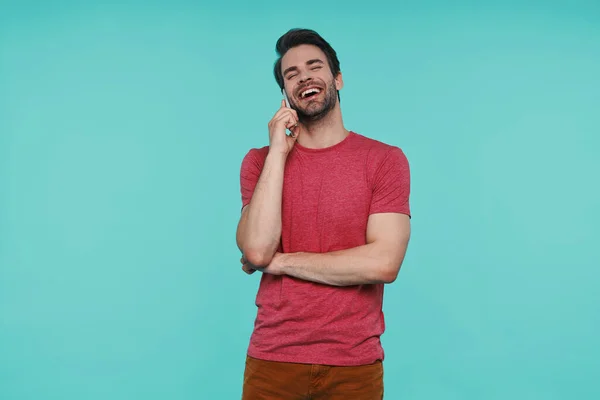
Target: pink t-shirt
328,195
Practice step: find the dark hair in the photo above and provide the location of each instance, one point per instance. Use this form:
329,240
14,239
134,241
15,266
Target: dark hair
296,37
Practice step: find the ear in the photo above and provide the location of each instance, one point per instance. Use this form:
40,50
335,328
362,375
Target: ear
339,81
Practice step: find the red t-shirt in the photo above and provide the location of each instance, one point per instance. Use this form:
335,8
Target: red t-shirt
328,195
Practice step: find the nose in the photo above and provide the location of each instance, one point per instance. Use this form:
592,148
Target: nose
304,78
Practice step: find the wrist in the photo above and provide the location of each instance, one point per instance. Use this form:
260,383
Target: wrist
284,262
277,155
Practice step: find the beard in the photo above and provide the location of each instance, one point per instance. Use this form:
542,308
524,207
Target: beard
316,110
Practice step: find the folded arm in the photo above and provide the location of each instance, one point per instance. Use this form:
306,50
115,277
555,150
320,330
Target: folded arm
259,229
378,261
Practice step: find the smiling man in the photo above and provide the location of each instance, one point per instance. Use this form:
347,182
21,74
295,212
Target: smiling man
326,220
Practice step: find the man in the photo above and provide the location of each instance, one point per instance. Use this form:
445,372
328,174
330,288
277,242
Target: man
326,220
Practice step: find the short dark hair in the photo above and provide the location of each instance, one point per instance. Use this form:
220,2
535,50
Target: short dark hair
296,37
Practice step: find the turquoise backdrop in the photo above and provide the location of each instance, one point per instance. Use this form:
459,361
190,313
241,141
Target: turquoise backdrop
122,129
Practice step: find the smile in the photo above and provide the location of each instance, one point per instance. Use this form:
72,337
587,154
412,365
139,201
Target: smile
310,92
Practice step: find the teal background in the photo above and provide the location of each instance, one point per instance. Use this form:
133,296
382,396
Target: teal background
122,129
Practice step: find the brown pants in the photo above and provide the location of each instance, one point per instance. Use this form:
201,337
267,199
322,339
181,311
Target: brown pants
269,380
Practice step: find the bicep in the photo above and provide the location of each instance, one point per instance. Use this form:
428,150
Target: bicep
251,169
241,226
249,175
391,233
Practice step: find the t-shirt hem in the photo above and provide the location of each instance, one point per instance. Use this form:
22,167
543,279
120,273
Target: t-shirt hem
299,359
390,210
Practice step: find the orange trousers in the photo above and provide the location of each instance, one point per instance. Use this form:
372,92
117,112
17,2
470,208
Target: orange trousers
270,380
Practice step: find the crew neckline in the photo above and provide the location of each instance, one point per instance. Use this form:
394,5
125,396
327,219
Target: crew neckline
336,146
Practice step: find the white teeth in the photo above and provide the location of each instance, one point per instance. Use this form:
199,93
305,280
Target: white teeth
309,91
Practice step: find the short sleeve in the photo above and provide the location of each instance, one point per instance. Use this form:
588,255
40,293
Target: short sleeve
391,184
250,172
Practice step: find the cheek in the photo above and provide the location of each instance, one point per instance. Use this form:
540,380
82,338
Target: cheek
289,89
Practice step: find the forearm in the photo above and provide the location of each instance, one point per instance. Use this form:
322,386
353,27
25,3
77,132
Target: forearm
259,231
366,264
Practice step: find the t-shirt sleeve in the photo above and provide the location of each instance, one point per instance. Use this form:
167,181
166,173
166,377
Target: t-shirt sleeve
391,184
250,172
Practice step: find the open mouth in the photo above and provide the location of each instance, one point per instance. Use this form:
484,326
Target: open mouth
310,92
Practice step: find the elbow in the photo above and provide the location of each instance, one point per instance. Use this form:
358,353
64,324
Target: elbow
389,273
258,258
390,268
257,255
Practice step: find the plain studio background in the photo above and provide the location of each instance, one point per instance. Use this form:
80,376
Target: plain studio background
122,129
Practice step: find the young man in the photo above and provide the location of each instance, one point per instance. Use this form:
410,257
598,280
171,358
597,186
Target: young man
326,220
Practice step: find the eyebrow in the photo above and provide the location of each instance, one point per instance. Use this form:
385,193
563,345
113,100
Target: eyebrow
309,62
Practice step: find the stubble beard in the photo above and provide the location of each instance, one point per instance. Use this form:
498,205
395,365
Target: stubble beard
316,111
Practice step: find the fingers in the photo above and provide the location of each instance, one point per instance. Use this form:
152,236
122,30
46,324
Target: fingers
286,121
283,112
293,124
289,118
247,269
286,117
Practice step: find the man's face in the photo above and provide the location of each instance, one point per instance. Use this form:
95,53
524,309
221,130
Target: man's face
309,83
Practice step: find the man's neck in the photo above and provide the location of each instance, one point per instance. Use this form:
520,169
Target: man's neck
323,133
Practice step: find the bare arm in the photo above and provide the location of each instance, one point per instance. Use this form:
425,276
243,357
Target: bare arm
378,261
259,229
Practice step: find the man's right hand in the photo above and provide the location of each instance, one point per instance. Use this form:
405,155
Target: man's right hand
284,118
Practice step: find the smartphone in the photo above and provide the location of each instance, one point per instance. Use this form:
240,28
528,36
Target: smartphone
287,102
